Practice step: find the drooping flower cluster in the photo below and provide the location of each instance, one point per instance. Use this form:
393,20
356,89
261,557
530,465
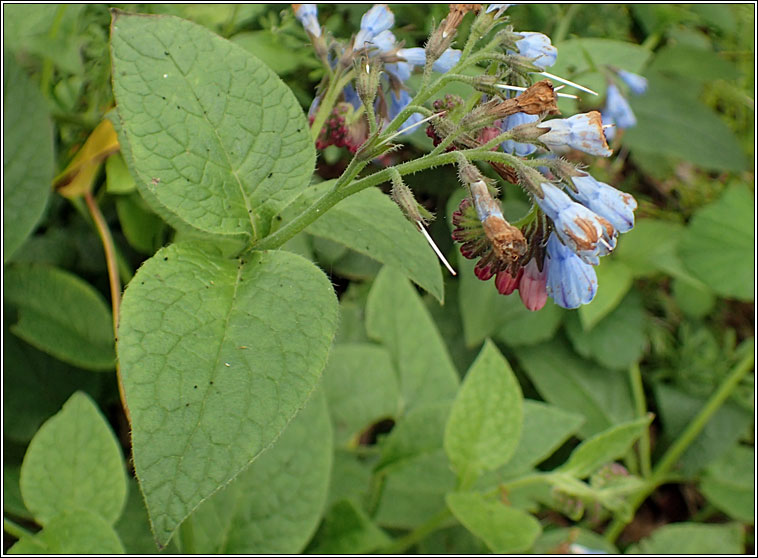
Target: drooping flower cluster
346,125
575,219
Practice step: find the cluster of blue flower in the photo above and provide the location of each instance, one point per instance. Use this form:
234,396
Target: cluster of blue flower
577,218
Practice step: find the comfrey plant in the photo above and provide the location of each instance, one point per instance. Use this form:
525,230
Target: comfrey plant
575,219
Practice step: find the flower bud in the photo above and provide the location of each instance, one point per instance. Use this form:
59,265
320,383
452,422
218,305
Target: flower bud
403,197
367,74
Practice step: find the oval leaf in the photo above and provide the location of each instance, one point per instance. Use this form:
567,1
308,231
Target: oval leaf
62,315
216,140
396,316
274,506
74,462
604,447
28,156
485,422
217,355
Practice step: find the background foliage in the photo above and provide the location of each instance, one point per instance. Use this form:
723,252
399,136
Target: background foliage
676,302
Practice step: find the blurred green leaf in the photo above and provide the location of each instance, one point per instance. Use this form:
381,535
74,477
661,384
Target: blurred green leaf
396,316
579,386
692,538
144,230
13,503
62,315
28,155
719,246
720,435
118,178
693,63
502,528
604,447
729,483
77,532
546,428
361,387
347,530
485,421
272,48
36,386
696,301
370,223
614,279
618,340
671,122
414,491
74,463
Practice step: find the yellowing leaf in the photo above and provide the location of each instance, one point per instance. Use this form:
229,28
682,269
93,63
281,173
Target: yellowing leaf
79,175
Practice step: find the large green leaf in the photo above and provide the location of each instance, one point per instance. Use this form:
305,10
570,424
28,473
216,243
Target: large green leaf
396,316
671,122
35,387
361,388
27,156
692,538
603,342
215,139
545,428
74,462
61,315
604,447
370,223
719,245
274,506
504,529
601,396
484,426
217,355
75,533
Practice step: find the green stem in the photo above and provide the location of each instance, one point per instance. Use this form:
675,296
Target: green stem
47,64
638,393
15,530
660,473
327,102
564,23
403,543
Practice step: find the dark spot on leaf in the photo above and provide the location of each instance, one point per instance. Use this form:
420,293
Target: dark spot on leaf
195,386
165,52
162,97
278,217
165,259
177,106
298,129
270,174
211,382
186,404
